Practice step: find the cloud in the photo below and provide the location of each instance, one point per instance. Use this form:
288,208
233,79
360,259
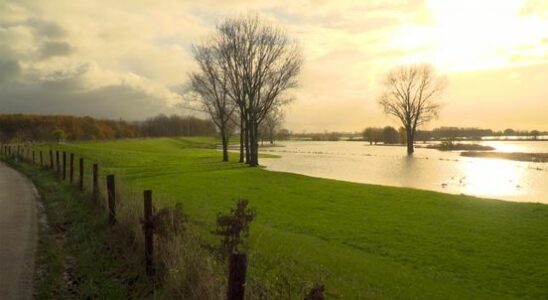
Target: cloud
46,28
122,58
65,97
9,70
50,49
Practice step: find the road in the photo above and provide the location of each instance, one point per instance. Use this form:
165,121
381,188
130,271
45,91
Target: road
18,234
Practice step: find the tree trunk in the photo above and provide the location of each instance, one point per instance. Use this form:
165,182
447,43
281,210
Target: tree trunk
254,145
242,132
410,138
224,138
247,138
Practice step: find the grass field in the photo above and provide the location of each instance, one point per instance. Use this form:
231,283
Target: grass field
363,241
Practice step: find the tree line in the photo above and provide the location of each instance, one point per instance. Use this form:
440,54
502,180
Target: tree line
15,128
176,125
391,135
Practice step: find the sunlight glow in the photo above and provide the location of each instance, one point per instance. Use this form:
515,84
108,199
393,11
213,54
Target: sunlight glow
470,35
492,178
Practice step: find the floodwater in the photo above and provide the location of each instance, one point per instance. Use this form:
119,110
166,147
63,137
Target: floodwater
427,169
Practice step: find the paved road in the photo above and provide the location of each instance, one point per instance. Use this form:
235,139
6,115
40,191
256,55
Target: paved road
18,234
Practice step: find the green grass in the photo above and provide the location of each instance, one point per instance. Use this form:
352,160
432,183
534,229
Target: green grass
363,241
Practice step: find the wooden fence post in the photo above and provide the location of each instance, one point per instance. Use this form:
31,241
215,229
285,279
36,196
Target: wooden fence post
236,276
148,227
81,179
33,158
51,159
71,168
111,192
41,159
57,163
95,188
64,165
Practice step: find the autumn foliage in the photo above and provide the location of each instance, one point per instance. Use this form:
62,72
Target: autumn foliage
25,128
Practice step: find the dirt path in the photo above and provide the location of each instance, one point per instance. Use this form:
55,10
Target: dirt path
18,234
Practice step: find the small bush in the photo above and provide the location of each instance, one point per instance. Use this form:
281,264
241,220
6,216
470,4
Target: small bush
234,227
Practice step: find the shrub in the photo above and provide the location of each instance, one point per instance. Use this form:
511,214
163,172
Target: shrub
234,227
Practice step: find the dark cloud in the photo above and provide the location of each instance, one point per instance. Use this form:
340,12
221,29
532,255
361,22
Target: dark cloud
9,70
65,92
114,101
51,49
46,28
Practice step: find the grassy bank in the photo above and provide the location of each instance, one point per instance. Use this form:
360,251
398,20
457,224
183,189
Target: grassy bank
363,241
76,258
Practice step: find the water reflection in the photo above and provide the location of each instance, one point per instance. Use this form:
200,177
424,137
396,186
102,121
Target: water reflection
493,178
427,169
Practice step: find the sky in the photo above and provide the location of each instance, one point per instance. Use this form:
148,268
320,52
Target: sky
128,58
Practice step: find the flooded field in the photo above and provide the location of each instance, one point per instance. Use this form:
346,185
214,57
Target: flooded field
428,168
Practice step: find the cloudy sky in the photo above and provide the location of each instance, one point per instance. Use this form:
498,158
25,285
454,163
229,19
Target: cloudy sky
126,59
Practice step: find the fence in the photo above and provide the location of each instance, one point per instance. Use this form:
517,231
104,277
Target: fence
237,262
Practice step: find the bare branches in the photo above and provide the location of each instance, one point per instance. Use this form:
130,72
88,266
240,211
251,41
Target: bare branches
246,66
210,83
251,64
410,95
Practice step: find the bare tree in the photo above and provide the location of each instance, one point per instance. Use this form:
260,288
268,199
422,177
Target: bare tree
210,83
411,95
260,63
271,124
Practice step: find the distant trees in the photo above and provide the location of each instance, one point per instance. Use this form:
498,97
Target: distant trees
372,134
283,134
535,134
390,135
386,135
326,136
452,133
257,64
472,133
271,125
410,95
20,128
509,132
174,125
